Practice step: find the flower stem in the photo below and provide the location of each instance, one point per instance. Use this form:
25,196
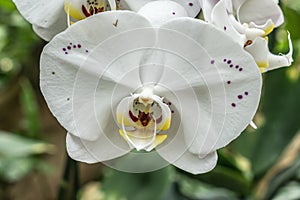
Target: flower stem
70,176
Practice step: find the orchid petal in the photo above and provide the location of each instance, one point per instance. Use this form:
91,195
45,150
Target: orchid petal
259,50
207,7
267,27
226,84
95,151
220,18
253,125
135,5
164,11
47,17
259,11
175,150
277,61
112,4
267,61
192,6
83,86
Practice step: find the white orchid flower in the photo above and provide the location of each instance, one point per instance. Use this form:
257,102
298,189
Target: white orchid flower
116,82
49,17
247,11
253,21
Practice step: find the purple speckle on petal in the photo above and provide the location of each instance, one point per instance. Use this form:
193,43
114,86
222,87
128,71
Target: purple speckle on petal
69,47
64,49
241,69
225,60
233,105
173,13
240,96
236,66
212,62
231,65
191,4
225,28
228,61
228,82
86,51
74,46
66,52
79,46
246,93
172,111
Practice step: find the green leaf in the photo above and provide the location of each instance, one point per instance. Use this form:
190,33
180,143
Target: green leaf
30,109
292,17
145,186
14,169
290,192
194,189
18,146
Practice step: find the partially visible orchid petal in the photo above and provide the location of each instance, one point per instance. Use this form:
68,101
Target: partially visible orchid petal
259,50
164,11
267,61
134,5
47,17
95,151
259,11
283,60
207,7
221,19
191,6
253,125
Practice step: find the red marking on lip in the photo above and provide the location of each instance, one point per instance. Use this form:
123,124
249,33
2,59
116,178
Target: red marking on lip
134,118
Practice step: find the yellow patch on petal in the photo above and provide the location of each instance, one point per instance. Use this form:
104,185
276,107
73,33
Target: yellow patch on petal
72,11
123,119
262,65
166,125
160,138
269,29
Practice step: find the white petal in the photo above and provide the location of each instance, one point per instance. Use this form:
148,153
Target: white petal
259,11
47,17
135,5
176,152
159,12
192,6
283,60
78,86
221,19
95,151
112,4
217,99
259,50
207,7
253,125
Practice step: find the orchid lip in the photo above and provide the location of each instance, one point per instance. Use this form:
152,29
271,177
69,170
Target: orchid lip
141,118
